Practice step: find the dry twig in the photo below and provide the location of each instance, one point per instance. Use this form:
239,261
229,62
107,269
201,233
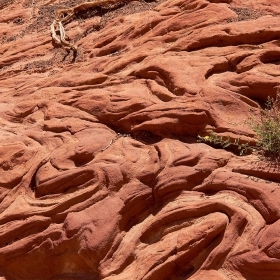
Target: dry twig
64,15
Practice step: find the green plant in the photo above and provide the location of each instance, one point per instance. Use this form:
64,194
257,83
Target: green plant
267,127
225,142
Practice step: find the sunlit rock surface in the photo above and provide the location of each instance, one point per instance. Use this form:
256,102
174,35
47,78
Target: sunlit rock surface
101,176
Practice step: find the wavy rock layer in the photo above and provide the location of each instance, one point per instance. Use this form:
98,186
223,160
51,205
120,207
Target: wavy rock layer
100,173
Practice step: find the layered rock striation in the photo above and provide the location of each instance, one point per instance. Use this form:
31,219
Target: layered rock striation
101,176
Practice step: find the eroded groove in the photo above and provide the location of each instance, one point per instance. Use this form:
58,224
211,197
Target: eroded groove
106,138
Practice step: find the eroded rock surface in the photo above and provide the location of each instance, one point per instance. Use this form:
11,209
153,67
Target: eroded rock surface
101,176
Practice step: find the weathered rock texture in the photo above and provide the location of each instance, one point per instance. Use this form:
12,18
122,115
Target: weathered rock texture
101,176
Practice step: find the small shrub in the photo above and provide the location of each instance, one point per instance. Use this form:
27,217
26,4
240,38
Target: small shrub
214,139
267,128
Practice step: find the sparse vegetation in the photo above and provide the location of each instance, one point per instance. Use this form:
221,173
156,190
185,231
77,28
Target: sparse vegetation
225,142
266,127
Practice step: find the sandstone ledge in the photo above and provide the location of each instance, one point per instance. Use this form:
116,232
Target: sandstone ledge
100,173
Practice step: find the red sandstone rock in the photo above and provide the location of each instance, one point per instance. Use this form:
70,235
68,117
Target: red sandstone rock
100,173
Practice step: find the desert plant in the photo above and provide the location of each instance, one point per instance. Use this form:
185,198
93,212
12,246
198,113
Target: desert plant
225,142
267,127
